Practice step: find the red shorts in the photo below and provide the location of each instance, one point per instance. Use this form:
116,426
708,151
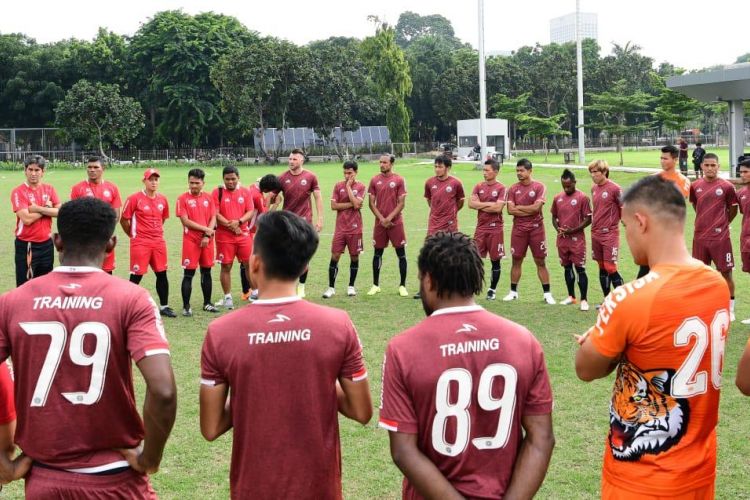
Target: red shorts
612,492
109,262
193,255
521,240
141,256
605,247
226,251
490,242
572,250
452,226
42,484
343,241
395,234
718,251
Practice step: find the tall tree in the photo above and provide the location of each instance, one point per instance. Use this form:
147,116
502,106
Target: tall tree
411,26
543,127
389,71
98,116
673,109
513,109
616,107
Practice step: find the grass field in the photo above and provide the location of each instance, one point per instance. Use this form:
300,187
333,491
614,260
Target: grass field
631,157
193,468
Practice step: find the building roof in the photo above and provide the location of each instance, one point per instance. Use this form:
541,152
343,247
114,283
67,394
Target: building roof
730,83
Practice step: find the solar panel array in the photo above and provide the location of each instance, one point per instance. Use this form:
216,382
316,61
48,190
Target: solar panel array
303,137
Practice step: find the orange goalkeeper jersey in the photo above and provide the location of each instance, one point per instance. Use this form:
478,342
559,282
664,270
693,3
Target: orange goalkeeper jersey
680,181
670,328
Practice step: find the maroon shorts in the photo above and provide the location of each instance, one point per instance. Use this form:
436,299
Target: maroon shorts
42,484
395,234
605,247
109,262
226,251
432,228
746,262
193,255
490,242
141,256
343,241
718,251
572,250
521,240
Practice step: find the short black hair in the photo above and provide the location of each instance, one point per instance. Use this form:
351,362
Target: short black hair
568,174
525,163
230,169
85,225
197,173
37,160
745,163
698,144
493,163
709,156
94,159
297,151
658,194
453,262
351,165
269,183
285,242
444,160
391,158
673,151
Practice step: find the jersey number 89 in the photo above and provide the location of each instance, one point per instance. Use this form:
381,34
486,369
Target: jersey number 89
459,409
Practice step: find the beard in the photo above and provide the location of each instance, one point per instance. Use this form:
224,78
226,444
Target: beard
428,310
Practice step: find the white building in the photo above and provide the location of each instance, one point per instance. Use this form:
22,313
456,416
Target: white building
563,29
497,136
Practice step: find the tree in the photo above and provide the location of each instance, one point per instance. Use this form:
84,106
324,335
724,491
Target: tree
98,115
616,107
510,108
411,26
543,127
455,92
389,71
743,58
673,109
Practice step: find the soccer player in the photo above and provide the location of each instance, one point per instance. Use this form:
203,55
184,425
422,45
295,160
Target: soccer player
605,227
668,159
73,335
445,197
34,204
262,193
488,199
387,199
10,469
297,185
525,201
466,395
743,198
571,214
715,203
143,221
197,212
106,191
665,334
234,210
346,201
286,437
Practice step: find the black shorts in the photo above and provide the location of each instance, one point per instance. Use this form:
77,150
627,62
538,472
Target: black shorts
33,260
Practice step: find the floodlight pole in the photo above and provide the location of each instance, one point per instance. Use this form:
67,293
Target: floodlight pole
482,89
579,71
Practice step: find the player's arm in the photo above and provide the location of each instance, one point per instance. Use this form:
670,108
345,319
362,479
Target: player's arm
354,399
399,208
580,227
533,457
275,202
555,224
190,224
732,212
318,209
460,204
336,206
27,217
11,469
215,411
355,201
125,224
159,411
422,474
374,207
743,372
495,208
475,204
590,364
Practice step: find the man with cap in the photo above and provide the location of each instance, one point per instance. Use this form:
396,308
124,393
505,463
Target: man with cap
142,220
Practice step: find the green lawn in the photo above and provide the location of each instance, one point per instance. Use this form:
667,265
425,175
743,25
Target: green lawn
193,468
631,157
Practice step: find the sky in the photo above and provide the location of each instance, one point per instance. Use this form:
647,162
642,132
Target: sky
690,34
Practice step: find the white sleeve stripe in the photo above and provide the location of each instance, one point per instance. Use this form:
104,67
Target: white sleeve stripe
360,377
387,427
151,352
208,382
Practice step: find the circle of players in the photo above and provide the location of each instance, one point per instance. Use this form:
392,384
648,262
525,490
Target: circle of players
663,413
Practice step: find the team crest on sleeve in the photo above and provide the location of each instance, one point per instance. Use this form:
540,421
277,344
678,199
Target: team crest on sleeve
644,417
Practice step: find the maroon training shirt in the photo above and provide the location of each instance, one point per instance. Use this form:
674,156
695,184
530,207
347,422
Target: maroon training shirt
443,196
607,200
524,196
348,221
712,201
297,190
571,210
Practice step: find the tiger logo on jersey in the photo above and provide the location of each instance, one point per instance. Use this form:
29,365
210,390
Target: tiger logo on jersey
644,417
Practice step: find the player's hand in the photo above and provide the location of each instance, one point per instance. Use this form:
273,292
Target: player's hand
580,339
11,470
204,242
135,459
210,233
319,225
